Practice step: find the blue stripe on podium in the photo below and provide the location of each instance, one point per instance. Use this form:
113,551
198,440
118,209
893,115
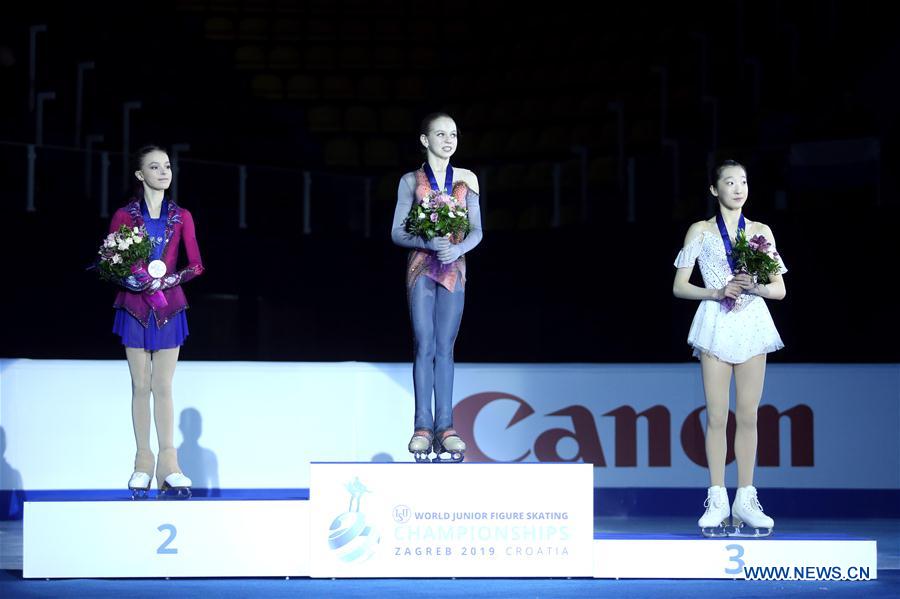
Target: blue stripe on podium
619,502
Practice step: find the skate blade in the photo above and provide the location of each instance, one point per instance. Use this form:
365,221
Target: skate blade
740,529
422,459
758,533
714,532
139,494
167,492
454,458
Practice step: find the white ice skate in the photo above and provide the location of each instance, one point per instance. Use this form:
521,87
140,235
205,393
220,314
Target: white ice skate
747,516
714,521
420,445
139,485
176,486
449,443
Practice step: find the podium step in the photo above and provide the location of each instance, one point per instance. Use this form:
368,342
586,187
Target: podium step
165,538
779,557
408,520
443,520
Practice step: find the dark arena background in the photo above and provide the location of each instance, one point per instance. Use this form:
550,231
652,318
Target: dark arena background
591,128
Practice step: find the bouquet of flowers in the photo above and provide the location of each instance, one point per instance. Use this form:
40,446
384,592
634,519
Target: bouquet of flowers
438,215
755,257
123,256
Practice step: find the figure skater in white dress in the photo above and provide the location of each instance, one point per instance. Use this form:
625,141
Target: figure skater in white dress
730,341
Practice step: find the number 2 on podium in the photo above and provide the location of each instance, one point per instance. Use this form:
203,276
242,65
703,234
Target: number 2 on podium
164,549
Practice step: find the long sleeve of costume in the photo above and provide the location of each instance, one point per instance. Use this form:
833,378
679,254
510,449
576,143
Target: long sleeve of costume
194,267
405,197
475,234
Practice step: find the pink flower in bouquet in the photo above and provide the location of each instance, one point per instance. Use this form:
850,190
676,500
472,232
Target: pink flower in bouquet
438,215
755,257
759,243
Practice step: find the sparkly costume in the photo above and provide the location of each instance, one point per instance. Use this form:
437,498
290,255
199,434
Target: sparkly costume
436,298
138,323
737,335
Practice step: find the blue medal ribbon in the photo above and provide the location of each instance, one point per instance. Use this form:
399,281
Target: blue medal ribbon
723,231
155,227
448,180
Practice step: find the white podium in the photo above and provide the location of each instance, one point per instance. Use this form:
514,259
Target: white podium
781,557
451,520
158,538
408,520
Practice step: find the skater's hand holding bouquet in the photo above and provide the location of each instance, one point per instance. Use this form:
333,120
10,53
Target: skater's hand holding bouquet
755,262
123,260
731,291
442,221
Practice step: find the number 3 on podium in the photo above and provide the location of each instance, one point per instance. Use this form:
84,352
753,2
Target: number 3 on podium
736,558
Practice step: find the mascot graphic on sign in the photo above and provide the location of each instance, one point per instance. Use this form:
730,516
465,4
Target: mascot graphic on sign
350,537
